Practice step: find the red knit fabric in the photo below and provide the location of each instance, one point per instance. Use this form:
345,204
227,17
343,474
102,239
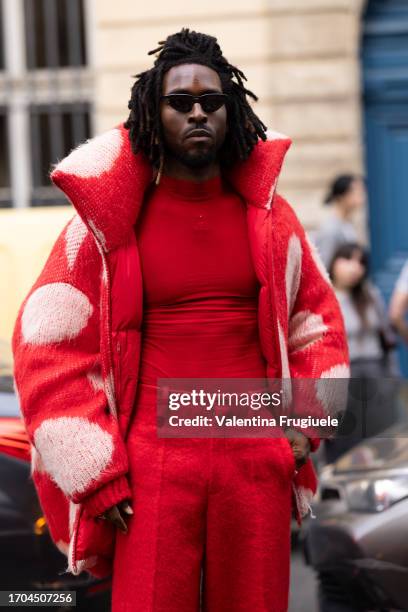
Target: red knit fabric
221,504
107,496
204,294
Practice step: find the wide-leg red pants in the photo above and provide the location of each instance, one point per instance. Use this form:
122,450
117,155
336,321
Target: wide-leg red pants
211,525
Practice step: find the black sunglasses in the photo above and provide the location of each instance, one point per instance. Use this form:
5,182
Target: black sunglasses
183,103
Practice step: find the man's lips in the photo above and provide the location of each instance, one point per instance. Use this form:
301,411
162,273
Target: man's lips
199,133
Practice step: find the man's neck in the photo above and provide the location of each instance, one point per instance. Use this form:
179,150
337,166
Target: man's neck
176,169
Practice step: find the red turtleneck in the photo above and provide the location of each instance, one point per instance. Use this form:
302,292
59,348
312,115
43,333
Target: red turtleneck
200,288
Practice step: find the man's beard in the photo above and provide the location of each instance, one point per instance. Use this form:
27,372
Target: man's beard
196,160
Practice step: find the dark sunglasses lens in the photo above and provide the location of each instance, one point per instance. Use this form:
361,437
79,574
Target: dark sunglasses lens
212,102
181,103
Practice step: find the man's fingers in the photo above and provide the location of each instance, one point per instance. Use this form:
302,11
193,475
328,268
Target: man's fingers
117,514
126,507
114,515
300,461
301,454
119,521
300,447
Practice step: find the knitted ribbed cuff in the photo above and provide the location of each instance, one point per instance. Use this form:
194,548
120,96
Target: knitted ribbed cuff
107,496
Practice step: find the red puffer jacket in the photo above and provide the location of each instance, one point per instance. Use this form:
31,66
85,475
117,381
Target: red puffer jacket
77,338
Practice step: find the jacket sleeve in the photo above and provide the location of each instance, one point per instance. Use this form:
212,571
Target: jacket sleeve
59,377
317,350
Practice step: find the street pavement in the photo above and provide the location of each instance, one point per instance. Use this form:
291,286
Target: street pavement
302,585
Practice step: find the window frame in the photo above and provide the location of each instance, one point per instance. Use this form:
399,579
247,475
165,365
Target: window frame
46,194
64,41
20,88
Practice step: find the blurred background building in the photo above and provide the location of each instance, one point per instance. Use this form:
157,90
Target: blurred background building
331,74
67,65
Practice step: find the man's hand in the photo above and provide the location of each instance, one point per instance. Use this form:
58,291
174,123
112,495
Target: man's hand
300,446
117,515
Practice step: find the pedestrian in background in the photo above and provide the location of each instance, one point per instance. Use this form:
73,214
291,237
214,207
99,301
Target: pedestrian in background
371,343
346,195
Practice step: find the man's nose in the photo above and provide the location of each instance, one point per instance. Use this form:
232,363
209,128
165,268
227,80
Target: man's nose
197,115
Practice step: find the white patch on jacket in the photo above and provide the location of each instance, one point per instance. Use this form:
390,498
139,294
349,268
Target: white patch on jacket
80,565
94,157
331,388
318,261
73,510
74,237
104,274
101,240
305,328
293,271
271,193
74,451
53,313
36,463
109,385
63,547
286,381
304,498
95,379
271,135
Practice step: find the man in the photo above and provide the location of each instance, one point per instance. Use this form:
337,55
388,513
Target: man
183,262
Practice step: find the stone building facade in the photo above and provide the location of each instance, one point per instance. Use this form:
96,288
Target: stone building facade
301,58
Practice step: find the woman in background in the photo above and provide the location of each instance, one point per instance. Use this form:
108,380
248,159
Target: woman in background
346,195
371,341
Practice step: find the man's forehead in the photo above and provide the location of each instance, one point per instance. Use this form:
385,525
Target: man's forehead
191,76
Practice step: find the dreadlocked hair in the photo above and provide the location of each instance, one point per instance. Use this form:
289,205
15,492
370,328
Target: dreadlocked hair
189,47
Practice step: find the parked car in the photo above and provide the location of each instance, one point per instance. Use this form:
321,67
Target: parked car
28,558
358,544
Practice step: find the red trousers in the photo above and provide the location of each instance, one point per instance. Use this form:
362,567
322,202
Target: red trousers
211,524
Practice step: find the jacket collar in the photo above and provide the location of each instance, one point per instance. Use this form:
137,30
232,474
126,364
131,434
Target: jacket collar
106,181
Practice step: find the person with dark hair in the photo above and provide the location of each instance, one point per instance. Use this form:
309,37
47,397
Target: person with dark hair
346,195
243,128
371,343
182,262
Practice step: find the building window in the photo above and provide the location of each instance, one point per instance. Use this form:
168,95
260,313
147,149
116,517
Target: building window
55,33
55,130
46,93
5,195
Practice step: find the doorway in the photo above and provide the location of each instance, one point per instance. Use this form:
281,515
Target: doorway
385,99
